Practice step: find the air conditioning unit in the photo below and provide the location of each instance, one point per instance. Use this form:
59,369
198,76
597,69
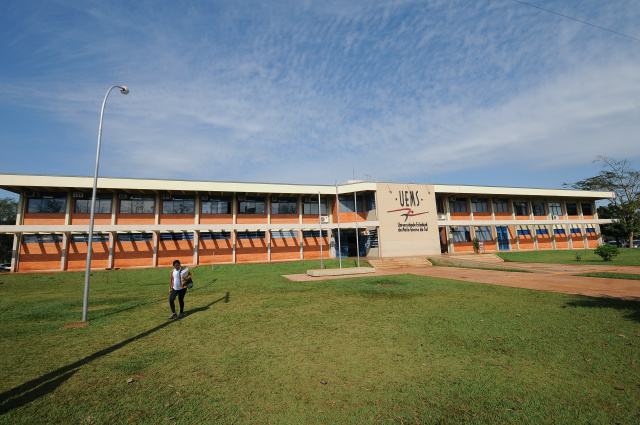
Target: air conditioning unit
242,198
442,216
32,195
78,194
474,200
366,233
308,200
555,217
204,198
166,196
455,228
324,219
123,196
274,199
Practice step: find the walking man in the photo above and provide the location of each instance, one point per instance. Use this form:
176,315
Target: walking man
178,288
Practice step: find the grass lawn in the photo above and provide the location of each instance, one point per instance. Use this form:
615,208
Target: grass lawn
605,275
626,257
256,348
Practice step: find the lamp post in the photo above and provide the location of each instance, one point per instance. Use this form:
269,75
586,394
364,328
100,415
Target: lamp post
87,275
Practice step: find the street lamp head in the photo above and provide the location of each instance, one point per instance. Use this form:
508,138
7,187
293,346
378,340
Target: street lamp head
124,90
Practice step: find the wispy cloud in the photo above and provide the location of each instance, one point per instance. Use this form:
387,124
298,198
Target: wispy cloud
303,92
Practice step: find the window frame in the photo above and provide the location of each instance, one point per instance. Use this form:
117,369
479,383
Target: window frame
259,204
456,204
181,202
217,205
500,205
143,200
283,206
481,205
54,197
518,205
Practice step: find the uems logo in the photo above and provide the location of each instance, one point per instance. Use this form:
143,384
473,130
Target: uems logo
408,199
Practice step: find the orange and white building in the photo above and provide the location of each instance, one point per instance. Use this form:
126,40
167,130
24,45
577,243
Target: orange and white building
150,223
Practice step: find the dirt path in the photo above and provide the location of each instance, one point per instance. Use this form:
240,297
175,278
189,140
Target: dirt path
546,277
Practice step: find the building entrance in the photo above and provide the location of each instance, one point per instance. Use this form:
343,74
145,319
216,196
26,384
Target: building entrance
349,247
502,234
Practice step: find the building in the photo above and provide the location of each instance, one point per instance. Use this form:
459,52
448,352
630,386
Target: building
149,223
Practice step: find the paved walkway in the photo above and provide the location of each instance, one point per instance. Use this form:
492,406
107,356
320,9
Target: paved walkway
545,277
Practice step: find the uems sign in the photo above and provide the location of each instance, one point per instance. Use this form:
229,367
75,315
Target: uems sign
409,199
407,227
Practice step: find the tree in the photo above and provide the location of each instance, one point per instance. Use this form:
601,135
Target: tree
8,211
618,177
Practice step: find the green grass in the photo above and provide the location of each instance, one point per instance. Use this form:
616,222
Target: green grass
480,266
626,257
606,275
256,348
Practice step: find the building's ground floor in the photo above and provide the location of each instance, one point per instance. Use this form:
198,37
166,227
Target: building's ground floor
151,223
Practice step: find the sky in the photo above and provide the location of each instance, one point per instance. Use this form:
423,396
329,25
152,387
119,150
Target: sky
489,92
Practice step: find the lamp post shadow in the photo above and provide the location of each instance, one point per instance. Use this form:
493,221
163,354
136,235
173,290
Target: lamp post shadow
47,383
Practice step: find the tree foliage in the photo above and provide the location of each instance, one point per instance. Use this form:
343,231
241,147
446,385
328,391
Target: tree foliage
618,177
8,210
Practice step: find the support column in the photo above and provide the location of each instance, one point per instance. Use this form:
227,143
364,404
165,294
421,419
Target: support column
156,245
65,235
17,238
234,208
196,233
113,237
300,222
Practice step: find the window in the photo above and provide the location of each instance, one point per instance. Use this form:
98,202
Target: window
575,231
284,206
48,204
521,208
371,240
538,209
314,233
524,232
135,237
572,208
181,236
43,238
84,237
542,231
282,234
253,205
179,206
221,205
138,205
483,233
461,234
209,236
500,205
458,205
590,230
370,201
558,232
251,235
347,204
83,206
310,206
586,208
479,205
555,208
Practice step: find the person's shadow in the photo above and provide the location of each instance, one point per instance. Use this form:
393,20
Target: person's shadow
45,384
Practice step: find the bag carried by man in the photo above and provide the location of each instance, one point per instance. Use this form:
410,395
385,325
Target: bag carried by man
187,283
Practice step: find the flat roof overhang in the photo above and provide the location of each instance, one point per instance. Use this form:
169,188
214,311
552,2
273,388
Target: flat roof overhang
449,190
17,183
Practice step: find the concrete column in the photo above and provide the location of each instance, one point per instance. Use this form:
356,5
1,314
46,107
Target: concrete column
300,231
534,236
196,243
114,208
567,232
156,245
65,235
552,235
17,238
234,209
113,237
157,208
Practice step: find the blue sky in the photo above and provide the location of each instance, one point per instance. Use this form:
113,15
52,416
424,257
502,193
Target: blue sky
456,92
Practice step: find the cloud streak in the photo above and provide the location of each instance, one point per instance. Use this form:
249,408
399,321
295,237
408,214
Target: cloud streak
304,92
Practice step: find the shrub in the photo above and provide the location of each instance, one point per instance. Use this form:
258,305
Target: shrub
476,245
607,252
